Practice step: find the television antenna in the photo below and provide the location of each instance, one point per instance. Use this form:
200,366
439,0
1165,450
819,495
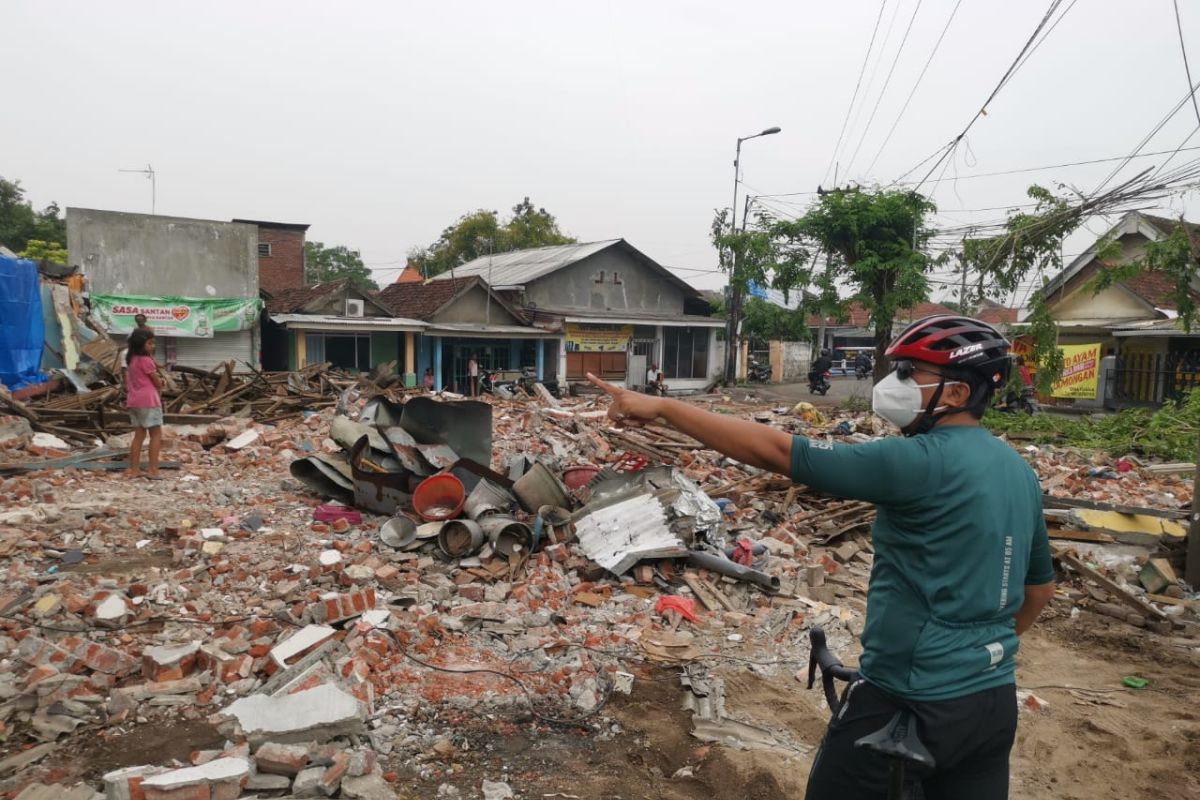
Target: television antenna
149,173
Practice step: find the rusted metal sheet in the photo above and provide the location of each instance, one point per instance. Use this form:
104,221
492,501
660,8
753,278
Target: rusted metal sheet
381,492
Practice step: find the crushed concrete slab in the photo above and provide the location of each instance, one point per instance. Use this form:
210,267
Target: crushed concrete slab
219,771
309,784
125,784
316,714
40,791
19,761
264,782
367,787
301,641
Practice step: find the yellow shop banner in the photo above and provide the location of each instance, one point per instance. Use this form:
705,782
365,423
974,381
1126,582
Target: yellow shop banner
1081,371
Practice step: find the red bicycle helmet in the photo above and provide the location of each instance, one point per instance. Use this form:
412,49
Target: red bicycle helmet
957,343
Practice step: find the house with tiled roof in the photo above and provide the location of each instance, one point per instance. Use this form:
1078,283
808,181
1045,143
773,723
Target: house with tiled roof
854,329
1135,320
997,314
334,322
464,318
603,307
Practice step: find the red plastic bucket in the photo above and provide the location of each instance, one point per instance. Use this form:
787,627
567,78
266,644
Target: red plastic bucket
439,498
578,477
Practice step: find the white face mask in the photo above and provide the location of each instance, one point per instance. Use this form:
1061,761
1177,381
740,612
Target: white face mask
899,401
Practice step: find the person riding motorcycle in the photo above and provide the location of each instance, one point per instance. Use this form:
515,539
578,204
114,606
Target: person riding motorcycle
862,363
819,367
962,563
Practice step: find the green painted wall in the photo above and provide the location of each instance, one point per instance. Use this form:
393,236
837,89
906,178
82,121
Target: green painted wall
385,347
292,365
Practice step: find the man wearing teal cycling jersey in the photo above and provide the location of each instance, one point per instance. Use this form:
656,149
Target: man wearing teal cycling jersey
962,563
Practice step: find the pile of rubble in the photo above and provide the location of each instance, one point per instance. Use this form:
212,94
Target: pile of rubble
87,404
428,563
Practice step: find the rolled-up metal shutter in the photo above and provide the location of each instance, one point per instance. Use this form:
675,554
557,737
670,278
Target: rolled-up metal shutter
209,353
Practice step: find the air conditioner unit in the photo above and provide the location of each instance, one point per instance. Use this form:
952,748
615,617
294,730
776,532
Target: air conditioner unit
354,308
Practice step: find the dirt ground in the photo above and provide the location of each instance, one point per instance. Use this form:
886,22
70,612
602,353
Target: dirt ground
1097,740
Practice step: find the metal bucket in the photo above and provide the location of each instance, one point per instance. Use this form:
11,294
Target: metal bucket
553,525
399,532
460,538
539,487
507,536
487,498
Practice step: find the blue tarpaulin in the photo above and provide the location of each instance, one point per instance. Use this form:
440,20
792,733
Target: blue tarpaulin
22,330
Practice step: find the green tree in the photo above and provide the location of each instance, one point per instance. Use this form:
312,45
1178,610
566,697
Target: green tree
37,250
17,219
20,224
767,322
323,264
481,232
1031,245
875,240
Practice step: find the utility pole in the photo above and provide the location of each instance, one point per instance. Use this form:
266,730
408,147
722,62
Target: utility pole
962,292
733,312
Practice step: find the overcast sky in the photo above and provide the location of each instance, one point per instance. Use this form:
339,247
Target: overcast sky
381,123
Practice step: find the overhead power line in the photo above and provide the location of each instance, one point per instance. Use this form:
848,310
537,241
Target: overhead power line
1186,68
1153,132
887,37
1008,75
853,97
882,92
908,100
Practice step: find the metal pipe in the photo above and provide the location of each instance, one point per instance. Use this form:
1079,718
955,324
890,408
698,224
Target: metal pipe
723,566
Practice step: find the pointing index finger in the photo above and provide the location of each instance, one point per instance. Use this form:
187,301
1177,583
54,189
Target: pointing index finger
607,388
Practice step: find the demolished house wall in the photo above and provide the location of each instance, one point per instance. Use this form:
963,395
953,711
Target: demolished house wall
144,256
139,254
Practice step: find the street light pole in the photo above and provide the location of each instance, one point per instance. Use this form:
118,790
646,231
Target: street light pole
735,295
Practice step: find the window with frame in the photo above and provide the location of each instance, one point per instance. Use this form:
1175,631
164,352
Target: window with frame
264,249
685,352
345,351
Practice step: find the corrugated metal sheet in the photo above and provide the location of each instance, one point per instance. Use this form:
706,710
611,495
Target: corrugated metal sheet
523,266
618,536
208,353
329,322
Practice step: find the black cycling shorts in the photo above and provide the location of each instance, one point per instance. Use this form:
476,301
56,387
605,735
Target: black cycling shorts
969,738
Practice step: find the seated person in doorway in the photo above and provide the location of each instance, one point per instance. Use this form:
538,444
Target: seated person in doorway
653,379
427,381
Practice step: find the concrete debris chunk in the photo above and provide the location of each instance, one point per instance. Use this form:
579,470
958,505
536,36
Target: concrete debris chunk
317,714
222,778
367,787
301,642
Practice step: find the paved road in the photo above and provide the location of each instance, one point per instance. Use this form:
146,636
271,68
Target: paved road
841,391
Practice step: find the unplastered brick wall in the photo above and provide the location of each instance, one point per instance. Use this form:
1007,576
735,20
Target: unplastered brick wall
284,268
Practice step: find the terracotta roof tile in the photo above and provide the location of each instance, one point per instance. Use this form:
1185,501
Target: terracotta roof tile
859,317
1155,288
998,315
289,301
421,300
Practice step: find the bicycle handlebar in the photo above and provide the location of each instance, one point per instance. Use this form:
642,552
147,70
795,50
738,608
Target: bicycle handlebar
831,668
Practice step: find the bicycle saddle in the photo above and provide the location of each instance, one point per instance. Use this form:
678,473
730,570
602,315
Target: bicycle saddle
898,740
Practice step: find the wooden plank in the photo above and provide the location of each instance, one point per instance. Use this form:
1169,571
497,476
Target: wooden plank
1110,585
1080,536
544,395
706,598
1049,501
1172,601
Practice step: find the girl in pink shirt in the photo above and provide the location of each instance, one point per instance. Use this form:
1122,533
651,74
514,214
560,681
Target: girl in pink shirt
142,385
